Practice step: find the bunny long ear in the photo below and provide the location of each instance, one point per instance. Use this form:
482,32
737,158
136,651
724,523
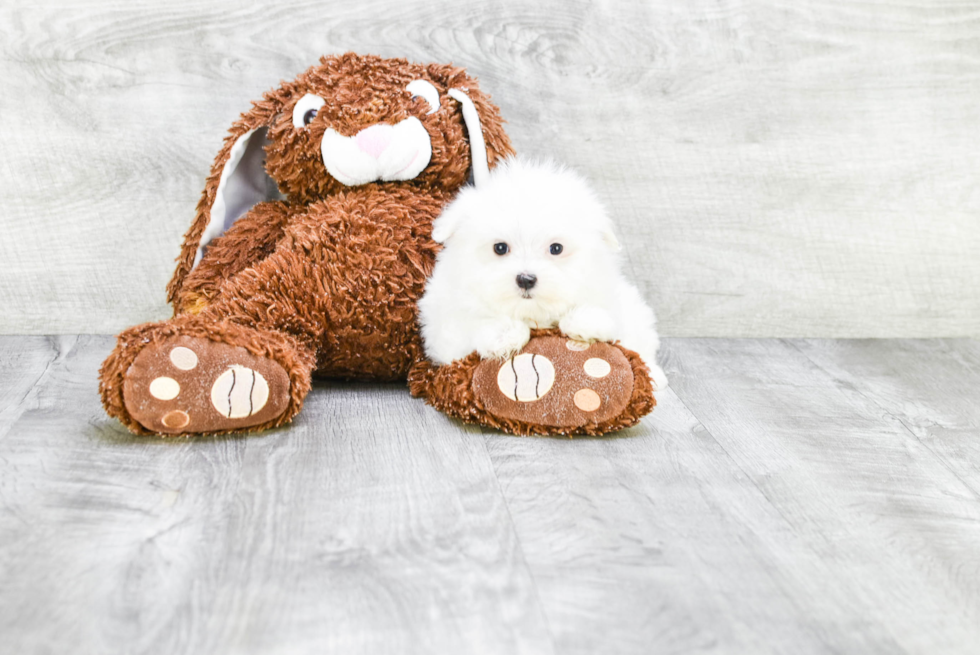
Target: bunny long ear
480,115
478,146
237,182
242,185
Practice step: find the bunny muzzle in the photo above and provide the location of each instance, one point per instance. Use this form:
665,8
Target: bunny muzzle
379,152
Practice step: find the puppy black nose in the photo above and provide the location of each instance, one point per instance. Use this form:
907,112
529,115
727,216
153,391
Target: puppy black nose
526,280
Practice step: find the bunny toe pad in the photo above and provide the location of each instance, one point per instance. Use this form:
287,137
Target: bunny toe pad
191,385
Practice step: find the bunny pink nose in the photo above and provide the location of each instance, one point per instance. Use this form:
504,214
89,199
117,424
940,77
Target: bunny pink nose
374,139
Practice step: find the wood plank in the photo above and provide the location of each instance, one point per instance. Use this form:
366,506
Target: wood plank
777,169
930,386
372,524
24,361
887,531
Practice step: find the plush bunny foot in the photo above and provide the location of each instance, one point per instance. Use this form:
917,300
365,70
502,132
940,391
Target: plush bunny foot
555,385
189,384
188,379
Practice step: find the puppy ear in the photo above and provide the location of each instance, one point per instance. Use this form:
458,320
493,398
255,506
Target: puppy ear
237,182
603,221
609,238
447,223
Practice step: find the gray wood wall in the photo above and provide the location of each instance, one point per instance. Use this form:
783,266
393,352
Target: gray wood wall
777,169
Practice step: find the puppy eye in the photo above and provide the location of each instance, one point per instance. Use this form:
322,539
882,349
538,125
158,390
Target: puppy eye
556,248
425,90
306,109
501,248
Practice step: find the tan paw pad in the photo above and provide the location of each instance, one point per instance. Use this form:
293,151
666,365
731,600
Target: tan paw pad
239,392
577,346
164,388
587,400
597,368
526,378
183,358
176,419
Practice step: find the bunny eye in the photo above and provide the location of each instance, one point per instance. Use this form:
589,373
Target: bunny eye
425,90
305,110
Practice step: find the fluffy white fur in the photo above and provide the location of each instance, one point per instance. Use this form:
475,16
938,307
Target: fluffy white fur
472,302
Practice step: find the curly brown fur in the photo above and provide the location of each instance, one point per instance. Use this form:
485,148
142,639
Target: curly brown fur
250,240
344,280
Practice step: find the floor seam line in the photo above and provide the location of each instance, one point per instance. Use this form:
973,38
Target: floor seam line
728,454
18,408
889,414
517,537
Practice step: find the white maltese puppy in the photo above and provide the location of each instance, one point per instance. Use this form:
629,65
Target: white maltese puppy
530,246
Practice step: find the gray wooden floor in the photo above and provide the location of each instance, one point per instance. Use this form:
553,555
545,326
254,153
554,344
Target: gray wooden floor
805,496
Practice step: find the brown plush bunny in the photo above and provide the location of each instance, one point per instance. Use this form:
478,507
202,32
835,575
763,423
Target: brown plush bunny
310,248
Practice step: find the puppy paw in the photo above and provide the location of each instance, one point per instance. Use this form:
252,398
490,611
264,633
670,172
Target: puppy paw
588,324
502,340
658,378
